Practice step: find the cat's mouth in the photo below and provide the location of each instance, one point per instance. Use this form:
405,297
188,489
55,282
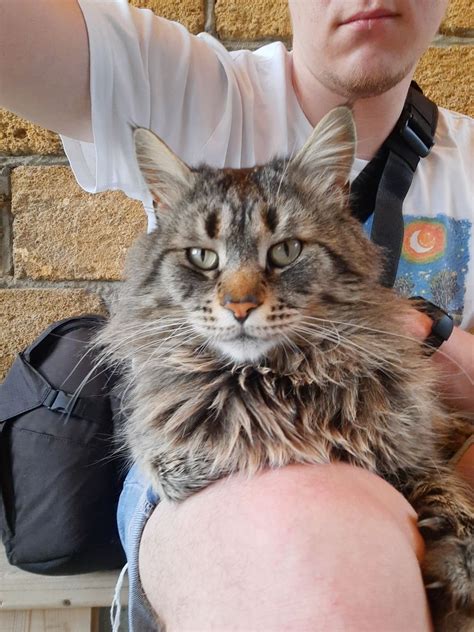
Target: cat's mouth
243,337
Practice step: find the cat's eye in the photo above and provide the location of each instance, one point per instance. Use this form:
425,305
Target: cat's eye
202,258
284,253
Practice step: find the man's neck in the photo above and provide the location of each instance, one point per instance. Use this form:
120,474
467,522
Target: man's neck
375,117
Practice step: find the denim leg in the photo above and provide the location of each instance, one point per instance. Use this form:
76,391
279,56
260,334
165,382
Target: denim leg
136,505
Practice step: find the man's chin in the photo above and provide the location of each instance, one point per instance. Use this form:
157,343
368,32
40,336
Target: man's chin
363,84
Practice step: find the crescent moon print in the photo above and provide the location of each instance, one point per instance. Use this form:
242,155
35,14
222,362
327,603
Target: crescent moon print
424,241
417,246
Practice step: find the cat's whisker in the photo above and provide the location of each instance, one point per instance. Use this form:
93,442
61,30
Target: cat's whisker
157,335
382,360
71,372
155,323
140,333
323,333
150,343
411,339
170,348
293,347
93,372
141,370
284,344
337,333
365,328
146,329
101,357
113,353
162,321
462,370
203,347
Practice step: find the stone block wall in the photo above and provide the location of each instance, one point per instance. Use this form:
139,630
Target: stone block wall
62,249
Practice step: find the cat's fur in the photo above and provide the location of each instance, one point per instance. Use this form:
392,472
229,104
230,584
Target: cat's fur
329,372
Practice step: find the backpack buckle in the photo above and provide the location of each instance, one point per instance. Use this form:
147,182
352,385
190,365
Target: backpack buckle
412,131
59,401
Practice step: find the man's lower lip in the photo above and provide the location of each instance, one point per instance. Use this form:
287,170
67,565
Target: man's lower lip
369,23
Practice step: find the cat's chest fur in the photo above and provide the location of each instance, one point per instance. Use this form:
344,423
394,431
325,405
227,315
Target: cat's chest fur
205,421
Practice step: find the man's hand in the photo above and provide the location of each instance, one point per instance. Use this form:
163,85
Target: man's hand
455,359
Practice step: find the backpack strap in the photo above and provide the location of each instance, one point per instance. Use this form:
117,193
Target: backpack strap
25,388
382,185
22,390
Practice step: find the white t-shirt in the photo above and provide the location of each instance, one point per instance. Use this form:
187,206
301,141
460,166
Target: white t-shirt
238,109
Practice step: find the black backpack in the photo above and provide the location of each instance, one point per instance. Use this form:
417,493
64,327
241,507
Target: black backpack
60,478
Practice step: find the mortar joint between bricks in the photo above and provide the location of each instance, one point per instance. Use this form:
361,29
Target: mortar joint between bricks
239,44
210,17
7,163
5,192
442,39
6,240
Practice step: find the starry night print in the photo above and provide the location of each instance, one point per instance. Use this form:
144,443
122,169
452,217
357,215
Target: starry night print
434,260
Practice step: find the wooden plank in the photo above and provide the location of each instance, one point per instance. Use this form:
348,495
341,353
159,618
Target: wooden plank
63,620
12,621
77,619
20,590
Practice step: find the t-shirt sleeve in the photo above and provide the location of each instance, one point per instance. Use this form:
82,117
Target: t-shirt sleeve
149,72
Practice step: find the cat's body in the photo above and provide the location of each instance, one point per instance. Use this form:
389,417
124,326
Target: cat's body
253,333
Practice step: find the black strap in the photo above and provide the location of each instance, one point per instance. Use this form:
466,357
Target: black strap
22,390
25,389
382,185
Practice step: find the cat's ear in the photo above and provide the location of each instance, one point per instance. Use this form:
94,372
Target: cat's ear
167,177
328,154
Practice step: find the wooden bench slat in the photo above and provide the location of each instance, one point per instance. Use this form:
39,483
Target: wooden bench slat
77,620
20,590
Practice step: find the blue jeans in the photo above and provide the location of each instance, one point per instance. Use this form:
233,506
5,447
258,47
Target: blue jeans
136,505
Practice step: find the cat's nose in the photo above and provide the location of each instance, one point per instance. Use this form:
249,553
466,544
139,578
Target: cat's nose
241,309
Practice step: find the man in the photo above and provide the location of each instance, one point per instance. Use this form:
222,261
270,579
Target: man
325,547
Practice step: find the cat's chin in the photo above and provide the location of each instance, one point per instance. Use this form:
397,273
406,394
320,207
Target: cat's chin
245,350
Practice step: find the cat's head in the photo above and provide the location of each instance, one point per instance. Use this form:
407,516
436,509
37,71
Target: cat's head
247,257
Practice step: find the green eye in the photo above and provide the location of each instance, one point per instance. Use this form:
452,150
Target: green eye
284,253
202,258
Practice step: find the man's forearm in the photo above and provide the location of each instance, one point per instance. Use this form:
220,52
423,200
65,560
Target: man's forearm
455,359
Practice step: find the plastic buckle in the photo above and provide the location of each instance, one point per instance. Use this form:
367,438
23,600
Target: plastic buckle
59,401
412,133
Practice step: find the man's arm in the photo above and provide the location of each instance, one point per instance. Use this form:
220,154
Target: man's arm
455,359
44,65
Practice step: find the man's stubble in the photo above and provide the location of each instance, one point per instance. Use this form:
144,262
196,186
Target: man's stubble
360,85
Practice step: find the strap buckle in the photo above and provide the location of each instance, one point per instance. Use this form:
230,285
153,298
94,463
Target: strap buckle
60,401
412,130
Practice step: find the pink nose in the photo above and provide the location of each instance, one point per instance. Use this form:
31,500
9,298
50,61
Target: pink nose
240,310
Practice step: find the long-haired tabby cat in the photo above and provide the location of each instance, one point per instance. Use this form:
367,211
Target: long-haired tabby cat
252,333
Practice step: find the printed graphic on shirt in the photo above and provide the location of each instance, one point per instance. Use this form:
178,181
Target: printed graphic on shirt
434,260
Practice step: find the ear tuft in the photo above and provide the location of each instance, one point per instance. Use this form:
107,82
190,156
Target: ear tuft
329,152
166,176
